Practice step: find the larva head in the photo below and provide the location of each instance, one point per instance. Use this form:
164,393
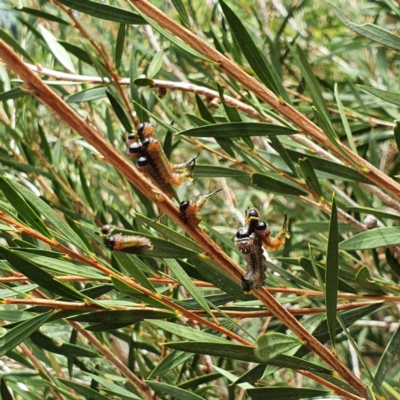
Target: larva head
106,229
110,242
262,229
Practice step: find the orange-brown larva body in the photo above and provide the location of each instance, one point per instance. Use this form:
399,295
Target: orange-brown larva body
120,242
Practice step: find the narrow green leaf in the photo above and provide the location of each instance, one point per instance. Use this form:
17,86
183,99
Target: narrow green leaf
182,12
199,380
345,122
59,266
120,112
330,167
378,237
216,348
66,349
231,112
188,333
204,111
363,278
396,133
104,11
171,234
12,94
115,390
273,344
187,283
19,333
42,15
332,272
7,38
348,317
370,31
311,81
171,361
310,176
272,185
245,353
88,95
214,171
219,278
4,392
277,145
254,56
123,317
386,359
306,264
119,47
57,49
285,393
123,287
238,129
392,262
370,393
51,216
81,54
83,390
373,211
176,392
39,276
252,375
23,208
145,82
44,144
6,293
127,263
390,97
155,65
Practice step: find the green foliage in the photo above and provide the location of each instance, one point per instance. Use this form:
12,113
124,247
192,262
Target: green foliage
82,321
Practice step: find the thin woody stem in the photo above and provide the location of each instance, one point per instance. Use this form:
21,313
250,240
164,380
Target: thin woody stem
113,157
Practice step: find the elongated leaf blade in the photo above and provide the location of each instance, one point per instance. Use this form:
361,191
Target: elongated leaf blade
7,38
310,176
252,53
238,129
178,393
390,97
273,344
172,360
378,237
83,390
187,333
23,208
57,49
285,393
273,185
19,333
187,283
370,31
38,275
104,11
332,272
51,216
387,357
